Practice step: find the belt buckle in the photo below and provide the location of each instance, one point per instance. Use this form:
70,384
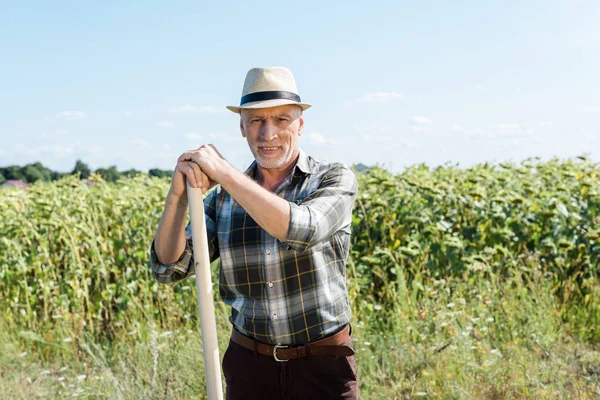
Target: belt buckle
278,346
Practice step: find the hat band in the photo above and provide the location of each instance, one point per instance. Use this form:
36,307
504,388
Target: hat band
269,95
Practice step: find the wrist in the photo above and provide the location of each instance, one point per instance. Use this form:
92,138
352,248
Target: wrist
226,175
177,201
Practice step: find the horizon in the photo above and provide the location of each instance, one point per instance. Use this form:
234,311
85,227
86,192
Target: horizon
360,167
135,86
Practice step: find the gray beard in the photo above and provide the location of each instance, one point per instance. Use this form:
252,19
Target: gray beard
278,163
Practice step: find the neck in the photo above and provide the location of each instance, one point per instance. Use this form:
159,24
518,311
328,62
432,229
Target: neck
271,178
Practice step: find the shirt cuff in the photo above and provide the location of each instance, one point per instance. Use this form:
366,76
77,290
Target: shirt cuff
170,273
300,228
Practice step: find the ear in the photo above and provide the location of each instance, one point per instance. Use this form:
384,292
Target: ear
301,121
242,127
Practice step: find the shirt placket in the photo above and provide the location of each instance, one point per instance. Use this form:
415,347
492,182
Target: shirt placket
274,285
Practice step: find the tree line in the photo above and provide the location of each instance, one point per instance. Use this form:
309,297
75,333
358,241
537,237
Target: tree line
31,173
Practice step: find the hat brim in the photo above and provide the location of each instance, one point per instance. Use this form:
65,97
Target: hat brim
268,104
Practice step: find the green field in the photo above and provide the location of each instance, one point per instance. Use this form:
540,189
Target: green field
479,283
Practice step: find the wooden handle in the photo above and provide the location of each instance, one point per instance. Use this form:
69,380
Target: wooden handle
206,307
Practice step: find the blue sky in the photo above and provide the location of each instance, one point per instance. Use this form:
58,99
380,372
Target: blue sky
135,84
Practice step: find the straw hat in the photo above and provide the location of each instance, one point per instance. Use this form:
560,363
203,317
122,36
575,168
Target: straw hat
269,87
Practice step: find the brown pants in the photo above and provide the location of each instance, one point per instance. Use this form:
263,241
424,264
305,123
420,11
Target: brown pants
255,376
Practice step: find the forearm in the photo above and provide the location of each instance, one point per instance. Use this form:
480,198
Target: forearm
271,212
169,241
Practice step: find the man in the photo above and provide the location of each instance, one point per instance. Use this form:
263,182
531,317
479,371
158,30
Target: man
282,232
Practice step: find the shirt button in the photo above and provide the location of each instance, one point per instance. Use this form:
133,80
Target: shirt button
270,284
274,316
268,252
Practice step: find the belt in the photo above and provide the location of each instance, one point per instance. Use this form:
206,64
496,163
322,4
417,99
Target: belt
330,346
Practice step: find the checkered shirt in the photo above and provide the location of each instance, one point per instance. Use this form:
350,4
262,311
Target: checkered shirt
289,292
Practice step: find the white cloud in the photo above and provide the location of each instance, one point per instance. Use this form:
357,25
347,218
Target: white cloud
420,124
63,154
166,147
188,108
420,121
128,113
456,128
592,109
316,139
165,124
55,134
75,115
192,136
479,87
141,143
512,130
379,97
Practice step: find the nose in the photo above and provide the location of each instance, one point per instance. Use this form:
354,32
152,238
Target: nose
268,131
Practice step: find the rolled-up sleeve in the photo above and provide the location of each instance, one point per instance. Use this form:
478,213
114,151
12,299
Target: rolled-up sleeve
184,266
325,211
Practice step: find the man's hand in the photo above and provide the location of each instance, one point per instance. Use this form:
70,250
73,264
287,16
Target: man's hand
202,167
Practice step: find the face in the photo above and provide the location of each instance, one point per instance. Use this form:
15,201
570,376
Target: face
272,134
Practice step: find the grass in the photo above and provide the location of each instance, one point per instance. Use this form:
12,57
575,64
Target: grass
454,339
474,284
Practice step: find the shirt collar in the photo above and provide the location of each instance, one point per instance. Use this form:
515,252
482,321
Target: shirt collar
304,163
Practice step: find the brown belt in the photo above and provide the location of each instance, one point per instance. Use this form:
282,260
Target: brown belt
330,346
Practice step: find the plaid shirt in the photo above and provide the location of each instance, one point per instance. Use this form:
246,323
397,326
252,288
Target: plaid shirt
289,292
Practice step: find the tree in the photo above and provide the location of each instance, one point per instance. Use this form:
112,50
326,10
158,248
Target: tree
160,173
35,172
82,169
55,175
46,172
130,173
13,172
32,174
109,174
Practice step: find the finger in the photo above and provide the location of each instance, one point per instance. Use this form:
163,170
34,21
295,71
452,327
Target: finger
205,185
203,180
185,156
188,172
198,174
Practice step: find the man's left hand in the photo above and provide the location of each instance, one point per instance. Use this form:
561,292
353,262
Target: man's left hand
210,161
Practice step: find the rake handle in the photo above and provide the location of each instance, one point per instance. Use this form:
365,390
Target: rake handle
204,288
